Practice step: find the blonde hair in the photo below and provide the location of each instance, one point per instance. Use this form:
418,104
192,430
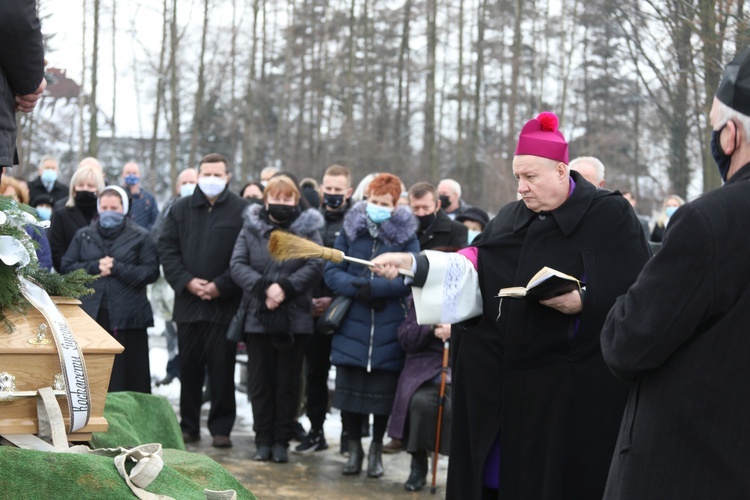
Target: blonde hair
662,221
87,172
22,192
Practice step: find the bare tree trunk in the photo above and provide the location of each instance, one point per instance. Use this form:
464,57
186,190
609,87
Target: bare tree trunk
515,73
82,97
403,55
428,149
93,109
234,112
114,69
478,84
174,125
249,137
198,104
160,84
460,143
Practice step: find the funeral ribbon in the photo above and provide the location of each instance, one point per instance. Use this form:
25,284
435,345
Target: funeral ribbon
71,358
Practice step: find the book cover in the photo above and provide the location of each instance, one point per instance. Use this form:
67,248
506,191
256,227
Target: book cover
545,284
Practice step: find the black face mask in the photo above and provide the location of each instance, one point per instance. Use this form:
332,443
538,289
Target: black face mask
333,201
444,201
281,213
723,160
86,202
425,221
254,201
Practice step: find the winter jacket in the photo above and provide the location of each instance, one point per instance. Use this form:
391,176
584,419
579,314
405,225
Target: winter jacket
143,208
367,337
66,221
443,232
21,67
59,191
122,293
197,242
252,262
680,335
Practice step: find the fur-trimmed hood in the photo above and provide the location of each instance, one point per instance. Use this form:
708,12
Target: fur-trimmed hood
395,231
306,224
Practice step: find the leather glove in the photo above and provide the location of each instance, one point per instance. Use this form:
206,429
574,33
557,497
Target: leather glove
364,293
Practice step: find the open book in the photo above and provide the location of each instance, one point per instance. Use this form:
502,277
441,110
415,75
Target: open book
545,284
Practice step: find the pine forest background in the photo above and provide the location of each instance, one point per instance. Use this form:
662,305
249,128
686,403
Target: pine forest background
425,89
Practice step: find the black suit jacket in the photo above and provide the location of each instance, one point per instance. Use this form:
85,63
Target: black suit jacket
443,233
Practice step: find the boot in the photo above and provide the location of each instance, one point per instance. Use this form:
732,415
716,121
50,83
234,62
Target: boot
356,456
418,476
375,460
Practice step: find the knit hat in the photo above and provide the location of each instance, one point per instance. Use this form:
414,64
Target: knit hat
540,137
123,197
734,89
475,214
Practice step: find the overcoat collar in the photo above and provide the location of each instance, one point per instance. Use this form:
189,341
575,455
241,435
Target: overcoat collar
742,174
569,214
198,199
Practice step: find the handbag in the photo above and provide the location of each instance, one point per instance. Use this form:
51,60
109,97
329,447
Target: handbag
236,328
331,319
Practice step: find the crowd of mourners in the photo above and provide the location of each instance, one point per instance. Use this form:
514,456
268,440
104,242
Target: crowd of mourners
206,252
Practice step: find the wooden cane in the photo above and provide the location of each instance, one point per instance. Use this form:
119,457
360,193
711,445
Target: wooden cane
441,404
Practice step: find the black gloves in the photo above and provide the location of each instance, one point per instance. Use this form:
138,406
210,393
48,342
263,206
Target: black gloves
365,295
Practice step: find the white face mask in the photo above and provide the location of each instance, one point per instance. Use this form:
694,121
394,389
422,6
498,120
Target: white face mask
212,186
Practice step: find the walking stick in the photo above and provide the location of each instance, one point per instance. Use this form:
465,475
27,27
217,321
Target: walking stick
441,404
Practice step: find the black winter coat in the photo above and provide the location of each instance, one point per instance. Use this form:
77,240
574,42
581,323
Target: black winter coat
122,293
681,334
197,242
532,374
59,191
65,222
443,232
252,262
21,67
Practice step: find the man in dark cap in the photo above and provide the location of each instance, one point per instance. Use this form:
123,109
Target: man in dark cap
535,410
681,334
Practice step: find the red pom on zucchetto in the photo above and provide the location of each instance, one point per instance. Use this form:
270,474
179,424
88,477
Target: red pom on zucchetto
540,137
549,121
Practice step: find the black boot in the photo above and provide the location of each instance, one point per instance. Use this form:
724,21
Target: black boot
356,456
418,476
375,460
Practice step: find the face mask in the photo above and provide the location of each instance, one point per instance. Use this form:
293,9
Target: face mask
281,213
333,201
187,190
425,221
49,177
472,234
378,214
444,201
85,199
132,180
212,186
254,201
44,213
109,219
722,160
670,211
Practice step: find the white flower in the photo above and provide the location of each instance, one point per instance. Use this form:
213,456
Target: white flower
13,251
3,217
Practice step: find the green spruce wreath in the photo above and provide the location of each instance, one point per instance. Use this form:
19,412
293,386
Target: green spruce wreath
18,258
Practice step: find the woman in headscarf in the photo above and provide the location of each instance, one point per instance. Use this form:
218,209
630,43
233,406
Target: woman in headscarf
124,257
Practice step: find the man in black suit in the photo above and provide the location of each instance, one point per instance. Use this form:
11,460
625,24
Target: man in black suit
48,181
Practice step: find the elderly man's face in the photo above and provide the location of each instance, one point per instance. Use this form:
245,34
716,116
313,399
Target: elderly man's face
542,184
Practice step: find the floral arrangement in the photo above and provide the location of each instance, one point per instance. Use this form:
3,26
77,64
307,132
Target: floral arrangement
18,258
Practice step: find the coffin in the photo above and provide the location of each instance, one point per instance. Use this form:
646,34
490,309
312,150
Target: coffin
35,366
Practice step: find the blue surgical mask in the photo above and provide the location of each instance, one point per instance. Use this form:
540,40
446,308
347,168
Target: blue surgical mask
378,214
49,177
109,219
473,234
723,161
187,190
44,213
670,211
132,180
